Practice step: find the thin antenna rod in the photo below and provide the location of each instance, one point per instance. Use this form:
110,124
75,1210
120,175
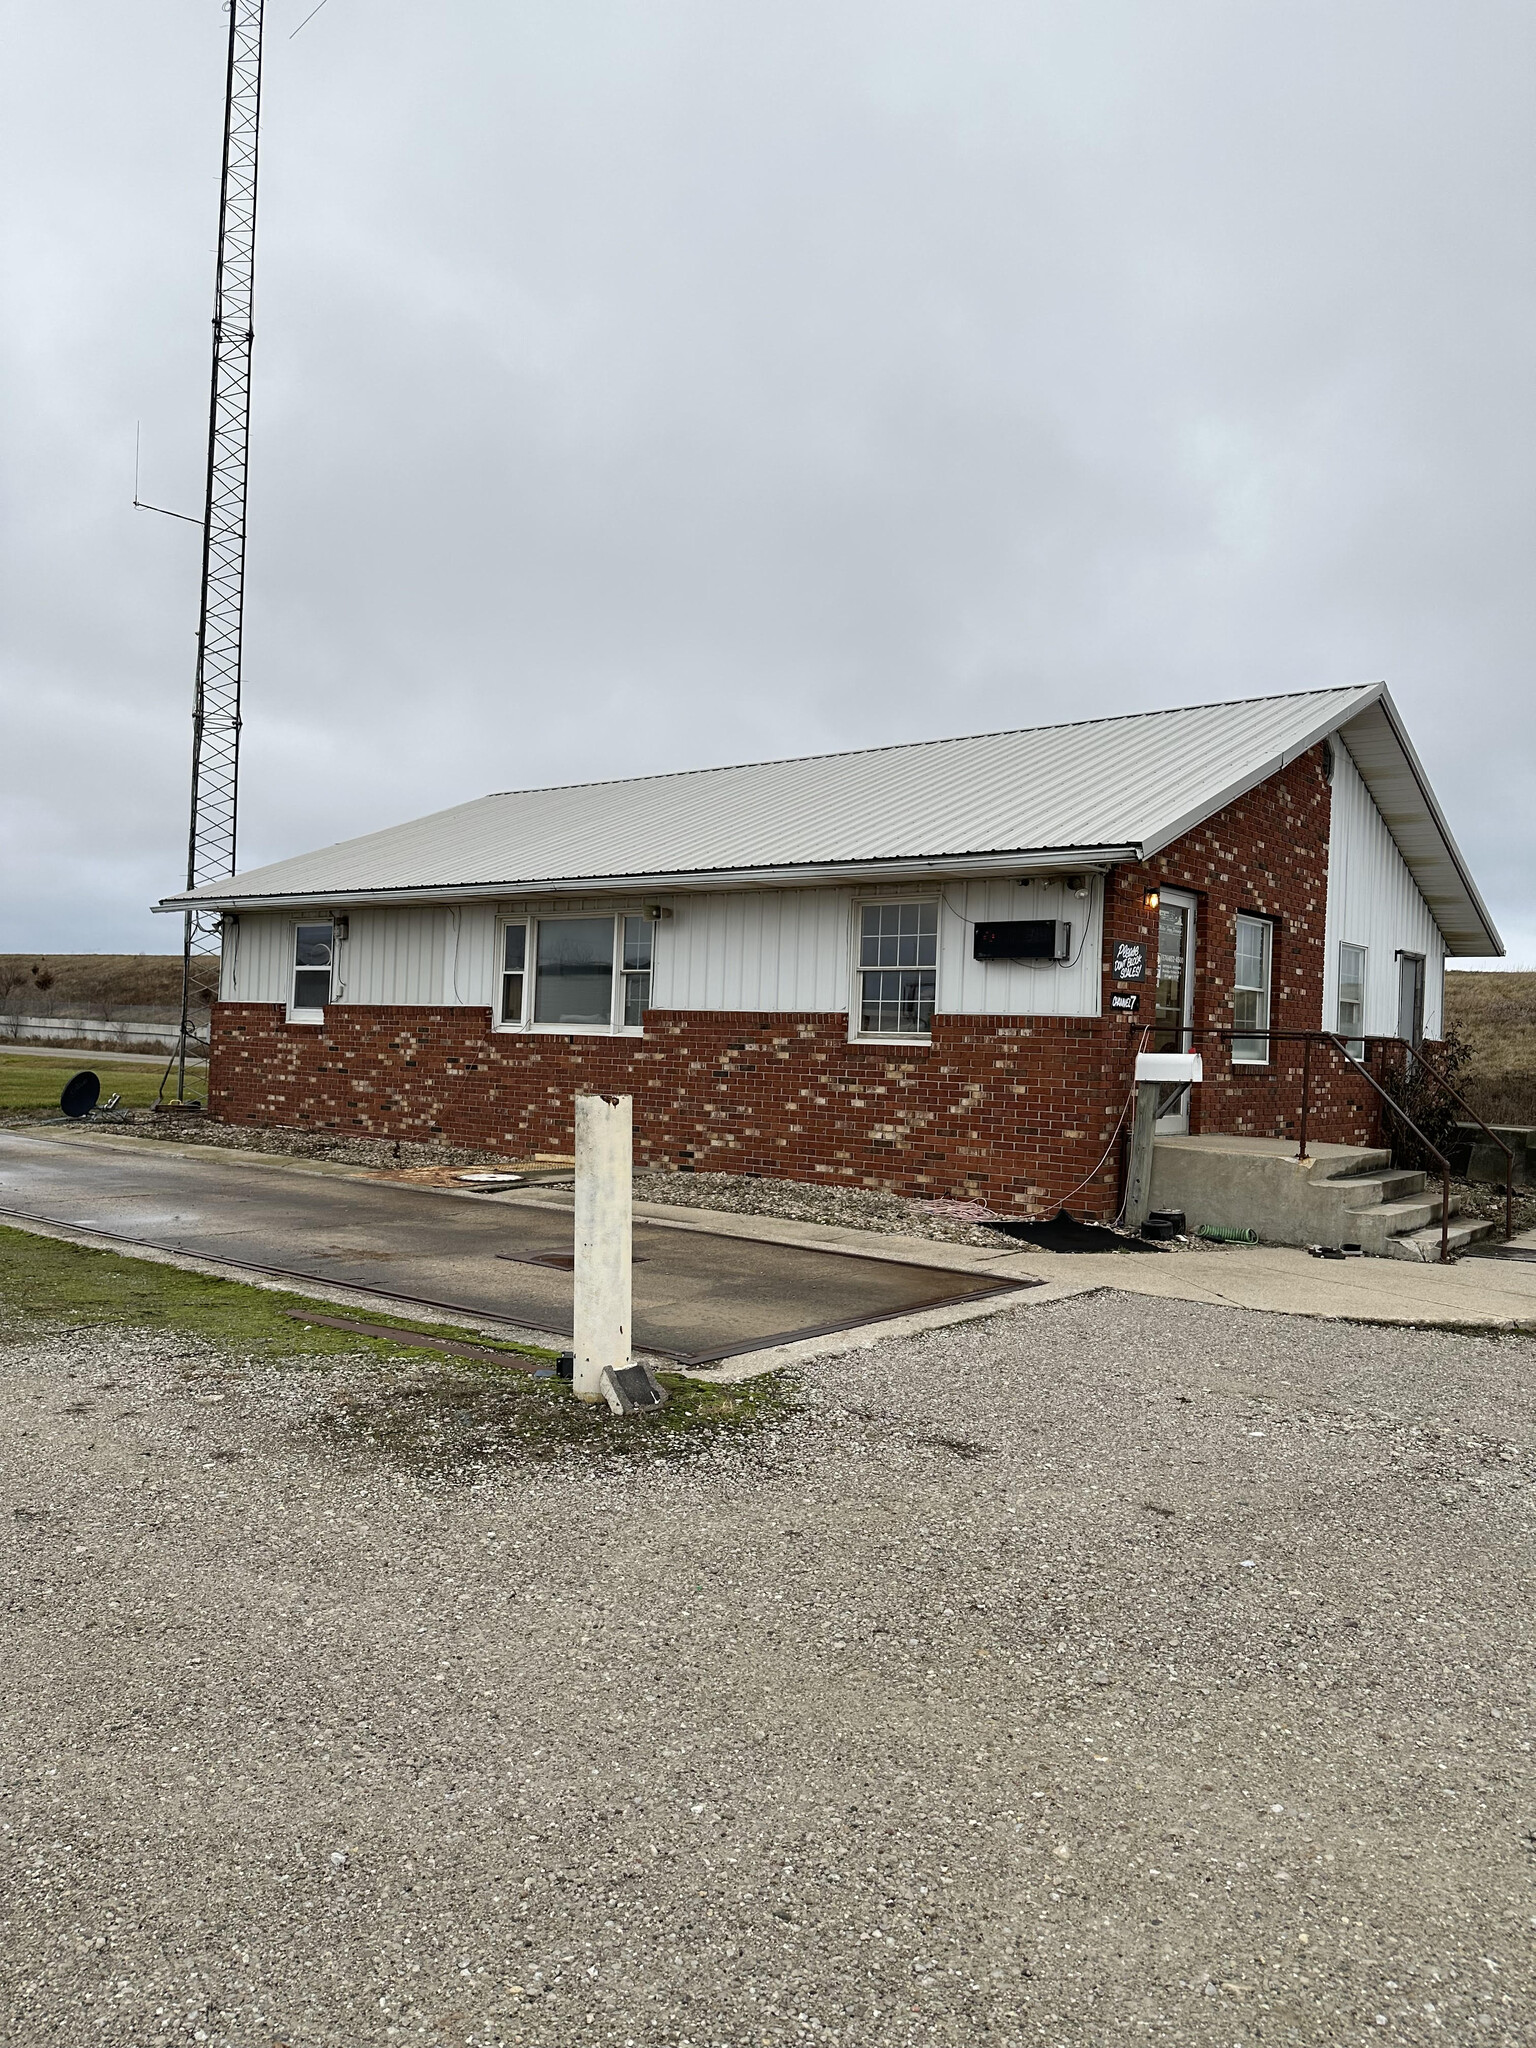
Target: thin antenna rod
307,19
216,695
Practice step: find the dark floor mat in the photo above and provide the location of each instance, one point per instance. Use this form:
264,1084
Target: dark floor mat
1063,1233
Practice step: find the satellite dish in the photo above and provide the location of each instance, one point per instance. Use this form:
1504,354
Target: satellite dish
81,1095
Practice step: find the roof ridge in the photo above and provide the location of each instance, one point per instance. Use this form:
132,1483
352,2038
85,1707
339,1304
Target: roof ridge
906,746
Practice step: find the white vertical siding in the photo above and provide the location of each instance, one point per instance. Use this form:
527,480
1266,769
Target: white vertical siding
469,956
770,949
1009,988
739,950
792,949
394,954
257,959
1373,901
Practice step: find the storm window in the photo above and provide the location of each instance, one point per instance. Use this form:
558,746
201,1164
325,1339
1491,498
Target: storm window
313,953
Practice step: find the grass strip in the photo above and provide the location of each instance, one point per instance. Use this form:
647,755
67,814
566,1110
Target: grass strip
32,1086
46,1282
445,1415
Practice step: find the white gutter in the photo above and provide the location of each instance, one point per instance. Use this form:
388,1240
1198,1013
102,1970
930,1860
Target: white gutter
1049,860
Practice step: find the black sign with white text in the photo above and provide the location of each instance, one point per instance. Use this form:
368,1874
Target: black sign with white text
1130,960
1118,1002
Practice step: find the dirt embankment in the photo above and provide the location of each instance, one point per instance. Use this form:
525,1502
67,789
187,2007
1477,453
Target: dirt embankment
1496,1014
146,985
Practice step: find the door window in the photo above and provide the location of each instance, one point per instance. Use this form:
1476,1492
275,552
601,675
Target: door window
1171,1004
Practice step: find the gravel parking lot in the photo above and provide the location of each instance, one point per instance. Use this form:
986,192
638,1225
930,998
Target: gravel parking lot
1108,1670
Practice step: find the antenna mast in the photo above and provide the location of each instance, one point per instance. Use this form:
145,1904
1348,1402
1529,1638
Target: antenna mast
216,696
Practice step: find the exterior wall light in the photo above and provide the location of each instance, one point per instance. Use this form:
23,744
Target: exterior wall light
1151,899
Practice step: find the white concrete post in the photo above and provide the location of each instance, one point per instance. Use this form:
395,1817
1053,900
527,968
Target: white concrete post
604,1164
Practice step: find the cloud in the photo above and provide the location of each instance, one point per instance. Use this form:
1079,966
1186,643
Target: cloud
640,386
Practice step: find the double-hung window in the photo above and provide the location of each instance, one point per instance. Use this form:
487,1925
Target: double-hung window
898,969
1351,1020
637,969
314,950
1250,990
514,969
576,973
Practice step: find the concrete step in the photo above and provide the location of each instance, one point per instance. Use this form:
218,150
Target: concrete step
1423,1244
1362,1188
1345,1162
1374,1228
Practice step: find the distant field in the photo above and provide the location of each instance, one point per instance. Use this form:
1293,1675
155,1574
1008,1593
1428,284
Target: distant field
96,984
1497,1013
32,1085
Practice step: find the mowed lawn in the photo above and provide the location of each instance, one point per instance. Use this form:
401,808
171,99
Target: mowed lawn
32,1084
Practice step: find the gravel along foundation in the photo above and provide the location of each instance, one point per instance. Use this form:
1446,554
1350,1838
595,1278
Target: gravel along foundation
1115,1669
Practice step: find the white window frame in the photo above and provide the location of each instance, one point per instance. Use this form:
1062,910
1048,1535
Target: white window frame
530,921
307,1015
1354,1041
856,1033
503,926
1266,1023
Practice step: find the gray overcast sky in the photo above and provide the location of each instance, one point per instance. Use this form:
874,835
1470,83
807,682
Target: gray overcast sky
657,383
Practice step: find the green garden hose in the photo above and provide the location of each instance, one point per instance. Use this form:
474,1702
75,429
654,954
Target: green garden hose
1219,1234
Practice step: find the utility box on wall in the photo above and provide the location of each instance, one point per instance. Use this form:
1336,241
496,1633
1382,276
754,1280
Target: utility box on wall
1045,939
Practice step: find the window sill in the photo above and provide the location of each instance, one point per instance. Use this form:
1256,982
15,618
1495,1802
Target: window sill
570,1030
305,1017
890,1038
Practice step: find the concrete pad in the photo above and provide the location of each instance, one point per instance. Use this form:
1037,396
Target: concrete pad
697,1299
1477,1291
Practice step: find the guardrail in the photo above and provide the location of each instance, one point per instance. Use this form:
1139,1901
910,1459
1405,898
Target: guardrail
118,1030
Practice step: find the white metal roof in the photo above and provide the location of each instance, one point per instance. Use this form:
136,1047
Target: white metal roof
1102,788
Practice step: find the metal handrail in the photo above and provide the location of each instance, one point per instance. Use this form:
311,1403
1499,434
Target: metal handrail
1508,1150
1306,1039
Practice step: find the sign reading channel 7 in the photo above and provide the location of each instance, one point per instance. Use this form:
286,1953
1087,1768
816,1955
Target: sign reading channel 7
1130,961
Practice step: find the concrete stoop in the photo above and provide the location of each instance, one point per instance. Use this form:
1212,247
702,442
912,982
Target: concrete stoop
1338,1195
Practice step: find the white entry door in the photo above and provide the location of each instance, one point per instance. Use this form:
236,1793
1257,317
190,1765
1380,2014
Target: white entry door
1173,1012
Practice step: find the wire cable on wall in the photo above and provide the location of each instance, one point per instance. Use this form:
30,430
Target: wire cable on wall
1114,1135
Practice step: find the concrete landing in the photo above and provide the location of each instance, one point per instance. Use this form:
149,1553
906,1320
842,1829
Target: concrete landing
1338,1195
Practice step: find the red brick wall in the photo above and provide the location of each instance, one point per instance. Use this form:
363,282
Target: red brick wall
1264,855
1013,1110
1007,1109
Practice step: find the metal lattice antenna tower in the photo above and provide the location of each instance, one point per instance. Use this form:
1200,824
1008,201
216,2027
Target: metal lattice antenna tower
216,697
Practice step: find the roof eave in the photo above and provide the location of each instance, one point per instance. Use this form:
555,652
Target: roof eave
1494,945
1027,860
1167,834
